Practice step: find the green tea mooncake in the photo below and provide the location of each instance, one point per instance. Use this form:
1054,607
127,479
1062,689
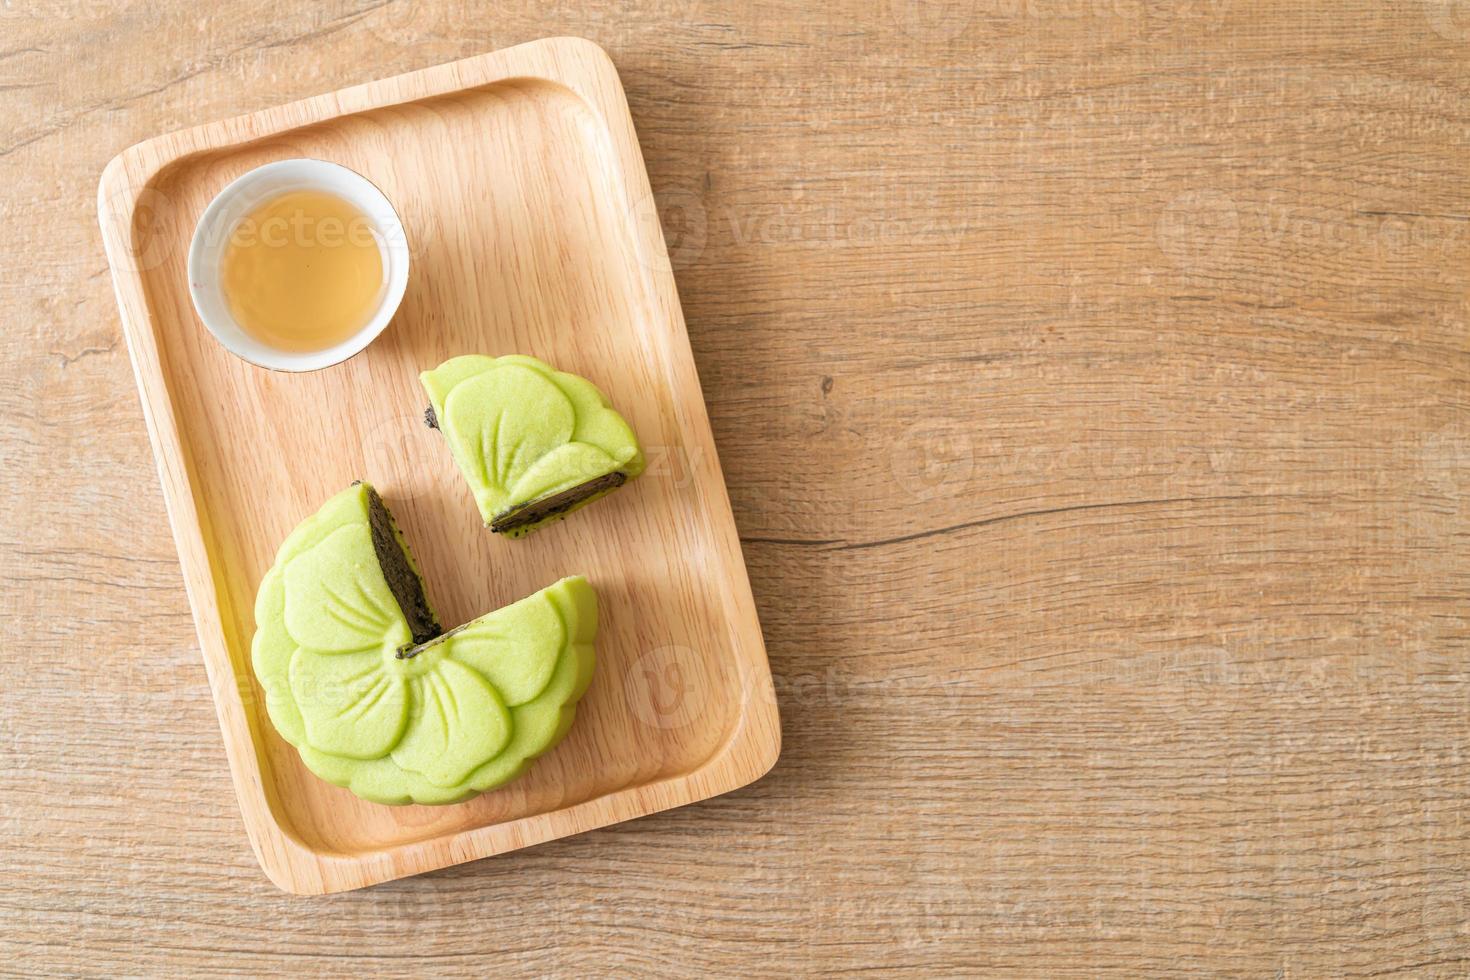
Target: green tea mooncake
360,678
534,443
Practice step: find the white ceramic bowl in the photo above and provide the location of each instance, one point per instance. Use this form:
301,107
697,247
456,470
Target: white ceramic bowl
252,189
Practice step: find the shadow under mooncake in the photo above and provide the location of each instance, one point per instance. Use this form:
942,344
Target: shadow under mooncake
359,677
533,443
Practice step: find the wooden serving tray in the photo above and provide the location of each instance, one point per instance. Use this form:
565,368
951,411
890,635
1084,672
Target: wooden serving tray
528,210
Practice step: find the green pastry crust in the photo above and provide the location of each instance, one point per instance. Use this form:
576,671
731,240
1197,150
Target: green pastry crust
394,717
534,443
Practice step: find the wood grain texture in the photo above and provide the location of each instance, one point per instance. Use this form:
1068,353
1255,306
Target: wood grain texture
1091,383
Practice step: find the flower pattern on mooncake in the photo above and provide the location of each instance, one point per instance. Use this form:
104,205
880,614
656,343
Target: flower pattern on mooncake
533,443
375,703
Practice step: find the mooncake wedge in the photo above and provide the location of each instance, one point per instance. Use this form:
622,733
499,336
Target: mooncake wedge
533,443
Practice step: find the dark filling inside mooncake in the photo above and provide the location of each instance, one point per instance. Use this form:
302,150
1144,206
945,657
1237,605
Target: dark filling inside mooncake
412,650
535,511
403,582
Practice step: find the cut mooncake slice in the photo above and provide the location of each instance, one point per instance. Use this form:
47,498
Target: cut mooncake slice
359,677
534,443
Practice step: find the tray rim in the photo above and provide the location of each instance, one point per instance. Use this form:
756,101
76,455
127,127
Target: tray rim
754,741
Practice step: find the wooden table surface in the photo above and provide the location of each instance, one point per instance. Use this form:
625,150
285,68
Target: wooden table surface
1091,378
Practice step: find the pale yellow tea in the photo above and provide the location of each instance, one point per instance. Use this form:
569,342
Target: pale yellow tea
303,271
